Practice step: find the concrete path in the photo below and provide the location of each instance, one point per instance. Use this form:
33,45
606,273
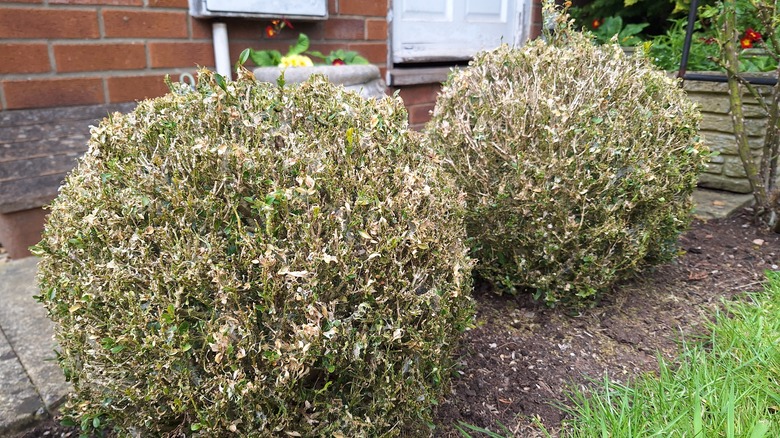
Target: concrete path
32,384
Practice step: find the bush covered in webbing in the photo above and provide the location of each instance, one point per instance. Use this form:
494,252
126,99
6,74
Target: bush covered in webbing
257,260
578,162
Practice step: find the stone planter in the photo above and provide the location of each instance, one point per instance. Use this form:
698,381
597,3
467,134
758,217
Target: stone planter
364,79
725,171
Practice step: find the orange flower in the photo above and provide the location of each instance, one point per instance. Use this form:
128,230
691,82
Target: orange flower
596,23
276,26
752,35
746,43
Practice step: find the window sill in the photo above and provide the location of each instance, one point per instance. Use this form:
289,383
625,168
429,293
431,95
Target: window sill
416,76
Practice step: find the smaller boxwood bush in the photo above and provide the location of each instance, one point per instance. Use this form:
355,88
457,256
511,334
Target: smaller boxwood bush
257,260
578,163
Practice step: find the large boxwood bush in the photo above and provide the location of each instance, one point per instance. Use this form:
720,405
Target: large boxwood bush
256,260
578,163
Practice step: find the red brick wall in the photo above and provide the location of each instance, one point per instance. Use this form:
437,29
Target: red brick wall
80,52
536,19
419,100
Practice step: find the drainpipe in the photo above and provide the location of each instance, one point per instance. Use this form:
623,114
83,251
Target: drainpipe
222,50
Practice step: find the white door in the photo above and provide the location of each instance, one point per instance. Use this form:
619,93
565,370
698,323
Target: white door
446,30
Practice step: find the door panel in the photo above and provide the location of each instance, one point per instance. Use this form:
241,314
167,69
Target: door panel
486,11
439,10
444,30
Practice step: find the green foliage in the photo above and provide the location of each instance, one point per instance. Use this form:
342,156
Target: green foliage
656,13
256,260
725,386
666,50
271,58
627,35
340,56
578,163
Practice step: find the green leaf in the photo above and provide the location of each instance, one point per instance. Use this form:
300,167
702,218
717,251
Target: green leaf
96,422
242,58
301,46
195,426
265,58
316,54
220,81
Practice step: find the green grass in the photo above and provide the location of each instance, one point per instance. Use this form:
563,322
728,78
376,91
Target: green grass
727,385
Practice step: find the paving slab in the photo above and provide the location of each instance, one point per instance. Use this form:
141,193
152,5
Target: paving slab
28,333
19,401
715,204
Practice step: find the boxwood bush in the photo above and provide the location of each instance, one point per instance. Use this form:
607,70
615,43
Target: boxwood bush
578,162
257,260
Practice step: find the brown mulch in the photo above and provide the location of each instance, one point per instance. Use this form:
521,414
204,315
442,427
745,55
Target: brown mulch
521,357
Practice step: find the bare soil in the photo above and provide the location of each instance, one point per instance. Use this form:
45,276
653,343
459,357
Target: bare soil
519,360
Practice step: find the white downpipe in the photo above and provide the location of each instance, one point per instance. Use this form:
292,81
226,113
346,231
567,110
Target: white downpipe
222,49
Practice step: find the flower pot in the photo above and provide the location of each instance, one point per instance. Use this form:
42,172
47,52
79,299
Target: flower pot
364,79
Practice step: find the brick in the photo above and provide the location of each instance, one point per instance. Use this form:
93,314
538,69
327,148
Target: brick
376,8
255,30
132,88
145,24
249,29
182,54
333,7
376,29
201,29
21,1
420,114
376,53
20,230
315,30
98,2
99,57
183,4
43,93
419,94
48,23
24,58
345,29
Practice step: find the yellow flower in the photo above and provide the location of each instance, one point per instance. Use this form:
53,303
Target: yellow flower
295,61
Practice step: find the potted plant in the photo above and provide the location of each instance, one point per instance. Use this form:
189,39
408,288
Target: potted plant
340,66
